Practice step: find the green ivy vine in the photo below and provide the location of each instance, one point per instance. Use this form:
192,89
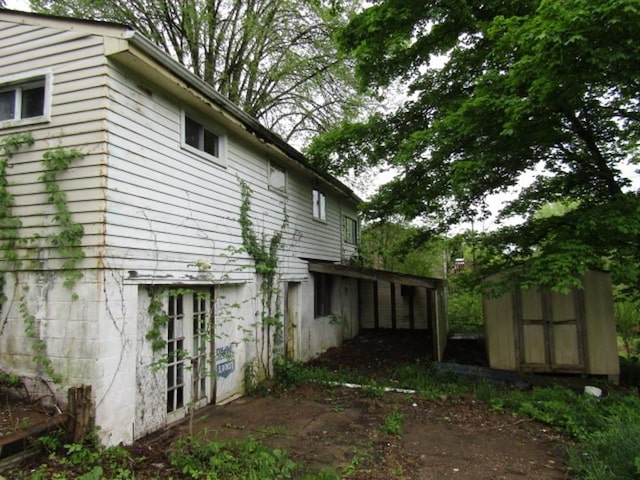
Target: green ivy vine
9,225
265,255
159,319
68,240
38,345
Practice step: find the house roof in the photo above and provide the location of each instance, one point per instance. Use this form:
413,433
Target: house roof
129,44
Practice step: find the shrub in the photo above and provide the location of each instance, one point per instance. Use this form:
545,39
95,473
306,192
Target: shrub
609,454
244,459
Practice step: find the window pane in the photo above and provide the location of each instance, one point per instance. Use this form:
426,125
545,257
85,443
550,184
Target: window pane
32,102
192,132
350,230
319,205
7,105
210,143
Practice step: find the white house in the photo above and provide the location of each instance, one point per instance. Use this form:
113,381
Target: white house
151,163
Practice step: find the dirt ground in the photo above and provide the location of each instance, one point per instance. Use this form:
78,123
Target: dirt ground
340,428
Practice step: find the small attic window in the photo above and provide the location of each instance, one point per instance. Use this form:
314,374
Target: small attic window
204,139
24,100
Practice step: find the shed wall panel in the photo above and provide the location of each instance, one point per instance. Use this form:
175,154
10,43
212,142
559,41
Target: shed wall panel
499,332
601,325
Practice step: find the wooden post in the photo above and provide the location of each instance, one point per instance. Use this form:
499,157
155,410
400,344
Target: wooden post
376,311
394,319
80,411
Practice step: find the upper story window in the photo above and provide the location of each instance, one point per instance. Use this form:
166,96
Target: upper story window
277,178
203,139
319,205
350,230
23,100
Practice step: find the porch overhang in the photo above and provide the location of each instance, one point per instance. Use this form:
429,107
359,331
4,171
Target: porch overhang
353,271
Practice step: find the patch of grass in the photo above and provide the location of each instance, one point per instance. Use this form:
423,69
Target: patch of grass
430,382
393,423
607,429
289,374
612,453
372,390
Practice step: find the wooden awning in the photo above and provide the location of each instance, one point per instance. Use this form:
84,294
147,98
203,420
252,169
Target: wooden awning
376,275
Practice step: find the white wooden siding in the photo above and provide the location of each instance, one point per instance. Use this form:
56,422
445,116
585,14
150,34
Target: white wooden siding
78,96
168,208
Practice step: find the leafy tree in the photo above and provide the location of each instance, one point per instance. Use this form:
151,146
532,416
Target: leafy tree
628,320
276,59
542,90
404,249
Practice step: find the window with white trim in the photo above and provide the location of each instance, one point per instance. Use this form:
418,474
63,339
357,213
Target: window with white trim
188,361
24,100
319,205
203,139
349,230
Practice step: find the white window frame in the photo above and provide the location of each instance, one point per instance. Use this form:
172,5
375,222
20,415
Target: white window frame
17,82
277,178
221,158
196,388
319,200
350,236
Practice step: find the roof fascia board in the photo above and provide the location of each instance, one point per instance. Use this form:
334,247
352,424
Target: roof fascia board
376,275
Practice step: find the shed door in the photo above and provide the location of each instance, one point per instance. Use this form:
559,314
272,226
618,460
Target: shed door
551,331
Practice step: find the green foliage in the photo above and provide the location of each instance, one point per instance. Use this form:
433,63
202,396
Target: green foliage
402,248
265,255
38,345
68,240
628,321
278,61
607,429
9,380
244,459
289,375
464,305
159,319
372,389
533,97
393,423
609,454
86,462
574,414
9,225
429,381
630,371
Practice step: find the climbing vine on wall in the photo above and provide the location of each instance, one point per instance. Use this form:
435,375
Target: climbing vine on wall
67,240
9,225
264,252
159,318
